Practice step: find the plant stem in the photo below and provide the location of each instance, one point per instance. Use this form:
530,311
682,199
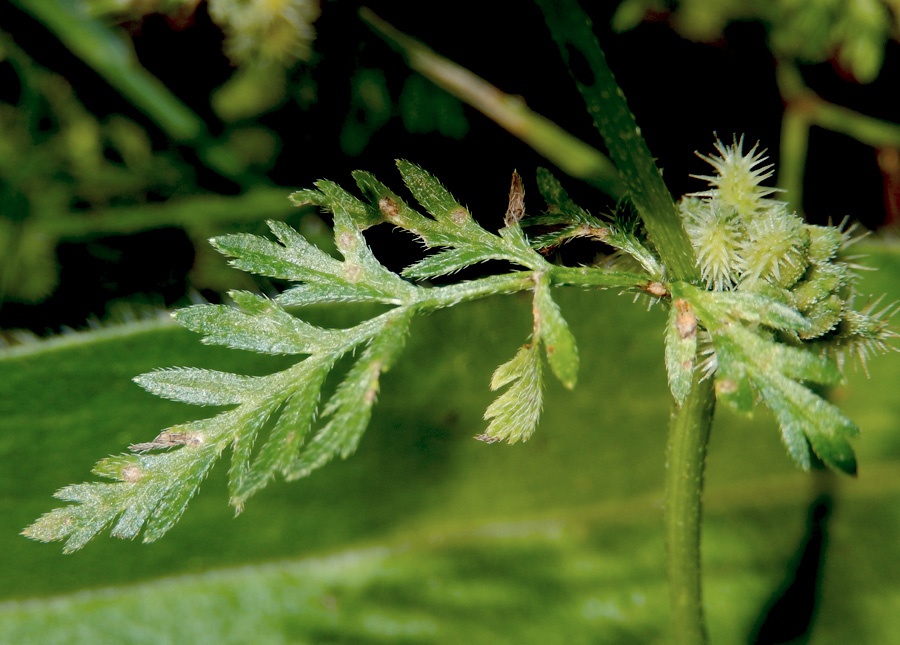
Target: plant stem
453,294
689,427
572,155
589,277
804,109
571,28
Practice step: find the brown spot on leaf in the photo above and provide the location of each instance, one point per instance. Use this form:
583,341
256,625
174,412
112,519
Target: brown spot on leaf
487,438
167,439
459,216
685,319
132,473
389,208
352,272
597,232
726,386
346,241
193,438
601,233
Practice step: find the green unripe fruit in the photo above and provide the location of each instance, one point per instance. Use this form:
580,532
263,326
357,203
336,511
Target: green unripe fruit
824,243
820,281
824,316
775,249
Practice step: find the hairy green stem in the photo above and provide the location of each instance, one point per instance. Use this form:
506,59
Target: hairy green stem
572,30
588,277
452,294
689,427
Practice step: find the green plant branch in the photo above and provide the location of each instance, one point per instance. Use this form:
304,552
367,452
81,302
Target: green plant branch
572,155
196,211
794,148
804,109
153,485
592,277
571,29
689,428
434,298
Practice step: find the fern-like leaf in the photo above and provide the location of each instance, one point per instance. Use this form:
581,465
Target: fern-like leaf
450,226
553,331
276,424
350,408
514,414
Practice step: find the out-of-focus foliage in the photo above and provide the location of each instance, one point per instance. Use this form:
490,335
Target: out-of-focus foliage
71,171
58,160
426,108
853,33
276,32
422,107
68,174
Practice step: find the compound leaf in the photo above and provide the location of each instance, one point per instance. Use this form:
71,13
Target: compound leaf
264,326
152,486
514,414
350,407
557,339
198,386
681,348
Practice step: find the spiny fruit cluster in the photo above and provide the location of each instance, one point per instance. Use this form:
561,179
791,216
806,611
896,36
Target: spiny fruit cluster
746,241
